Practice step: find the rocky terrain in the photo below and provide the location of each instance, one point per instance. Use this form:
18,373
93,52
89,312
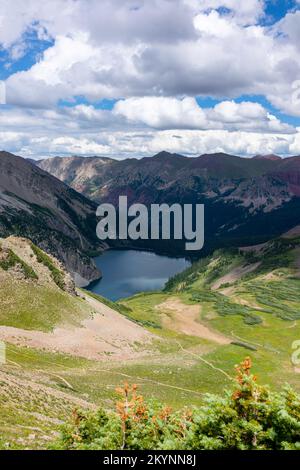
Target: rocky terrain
37,205
248,200
221,175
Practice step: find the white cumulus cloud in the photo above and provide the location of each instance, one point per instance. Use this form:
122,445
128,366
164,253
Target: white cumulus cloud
154,58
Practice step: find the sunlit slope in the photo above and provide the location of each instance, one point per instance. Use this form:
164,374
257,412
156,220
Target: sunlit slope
231,305
248,302
40,308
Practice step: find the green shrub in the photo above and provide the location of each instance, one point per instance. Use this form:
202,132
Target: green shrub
11,260
44,259
242,344
224,306
249,417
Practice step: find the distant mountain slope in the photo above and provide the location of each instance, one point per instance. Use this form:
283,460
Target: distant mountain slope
86,174
248,200
36,205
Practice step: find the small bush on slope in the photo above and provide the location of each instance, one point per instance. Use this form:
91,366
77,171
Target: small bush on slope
44,259
248,417
10,260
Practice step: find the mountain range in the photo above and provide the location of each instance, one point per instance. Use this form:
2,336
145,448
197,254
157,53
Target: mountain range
247,200
53,201
177,344
36,205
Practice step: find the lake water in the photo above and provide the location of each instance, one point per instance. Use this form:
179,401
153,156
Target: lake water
127,272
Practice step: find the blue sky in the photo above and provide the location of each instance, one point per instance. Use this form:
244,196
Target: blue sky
122,79
34,49
277,9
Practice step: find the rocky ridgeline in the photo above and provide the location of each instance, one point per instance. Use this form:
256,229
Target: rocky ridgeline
24,261
38,206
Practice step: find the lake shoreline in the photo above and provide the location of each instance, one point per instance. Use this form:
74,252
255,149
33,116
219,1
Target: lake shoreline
126,272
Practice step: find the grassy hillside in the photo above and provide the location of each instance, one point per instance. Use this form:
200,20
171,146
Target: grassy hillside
50,331
35,291
245,417
251,297
230,305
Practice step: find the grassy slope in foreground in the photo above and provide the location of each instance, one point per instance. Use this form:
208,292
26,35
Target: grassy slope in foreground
180,366
40,384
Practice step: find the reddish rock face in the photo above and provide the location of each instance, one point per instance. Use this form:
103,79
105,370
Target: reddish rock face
289,172
271,157
209,175
244,197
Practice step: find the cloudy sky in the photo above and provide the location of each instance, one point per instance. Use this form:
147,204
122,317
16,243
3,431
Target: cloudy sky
123,78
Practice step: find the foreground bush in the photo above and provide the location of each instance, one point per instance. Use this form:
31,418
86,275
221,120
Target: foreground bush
248,417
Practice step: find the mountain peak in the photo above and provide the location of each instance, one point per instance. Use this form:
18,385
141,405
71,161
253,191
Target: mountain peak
165,155
271,157
217,154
